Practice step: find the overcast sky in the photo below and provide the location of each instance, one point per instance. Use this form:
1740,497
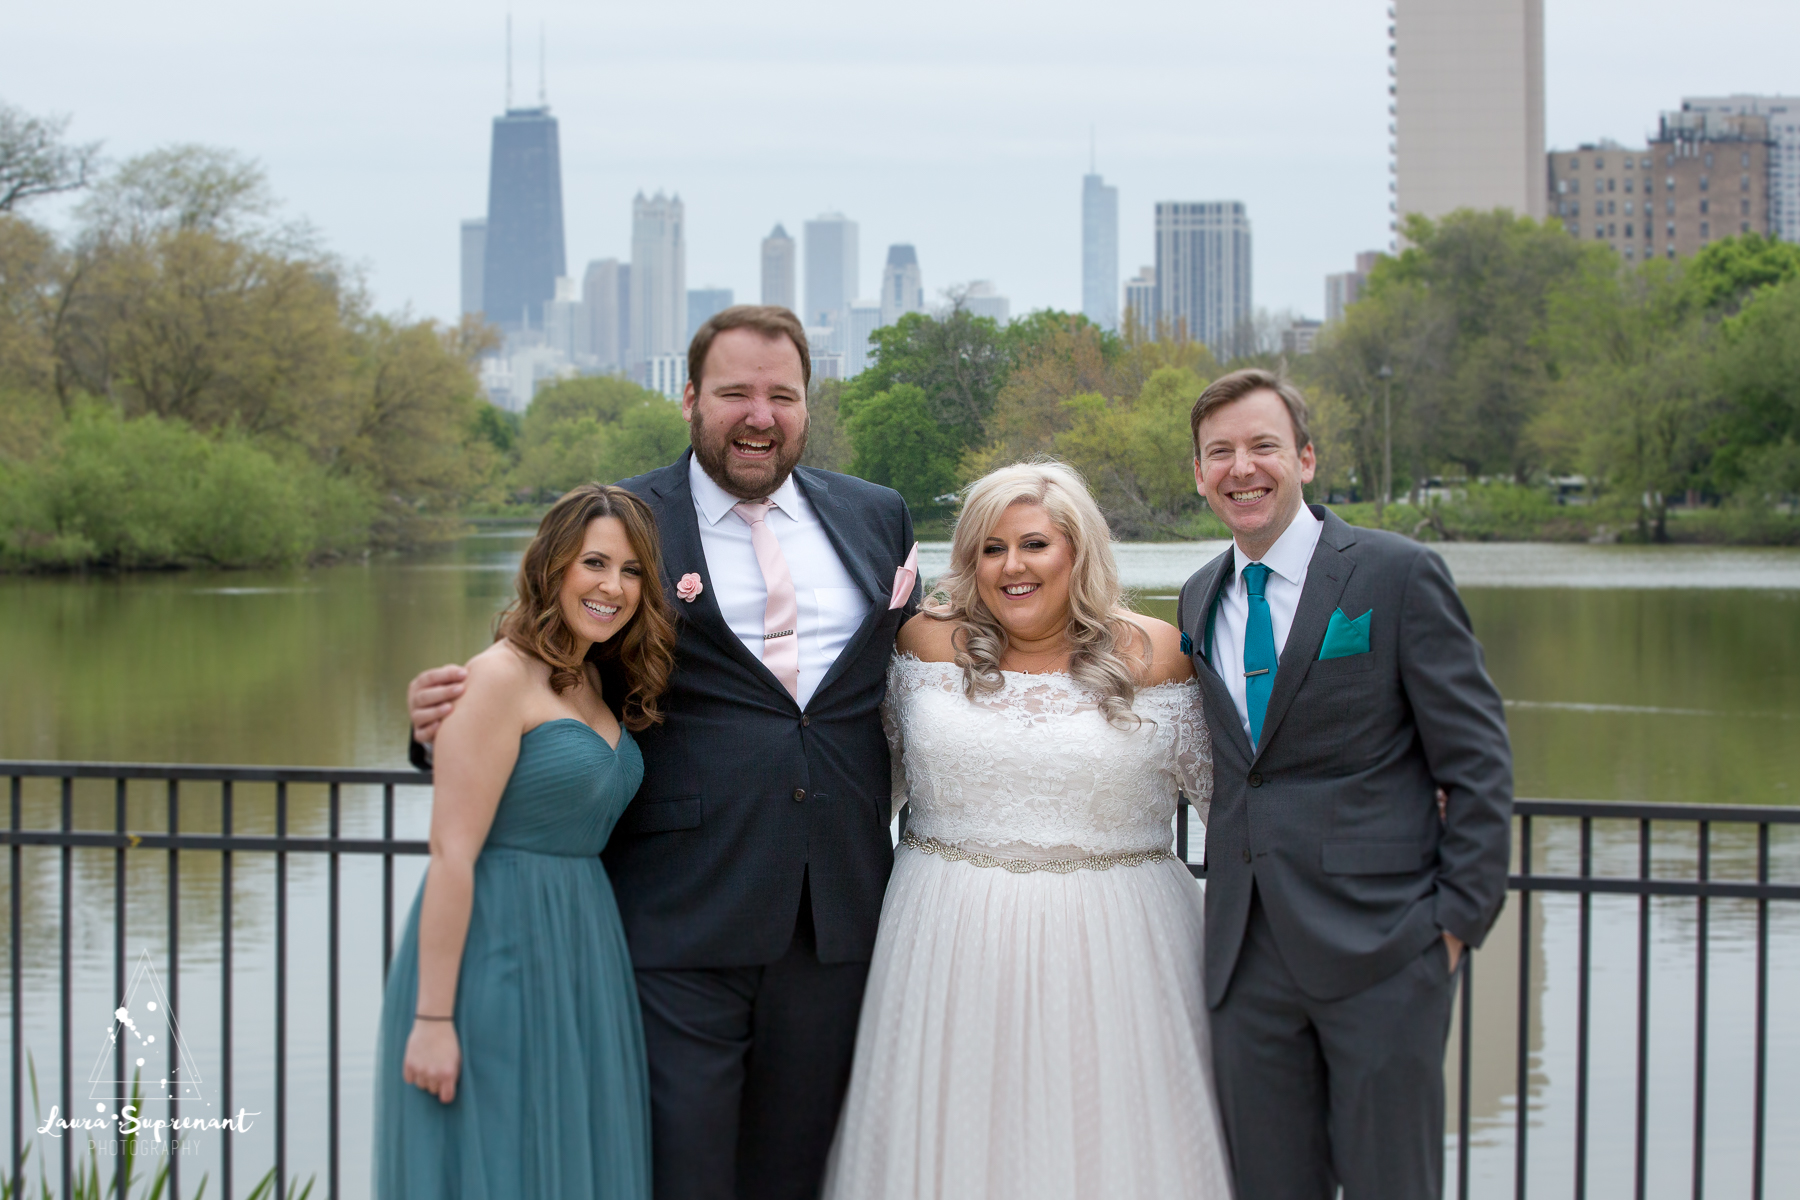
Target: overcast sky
958,125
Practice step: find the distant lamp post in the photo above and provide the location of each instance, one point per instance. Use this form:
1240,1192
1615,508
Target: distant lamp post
1386,374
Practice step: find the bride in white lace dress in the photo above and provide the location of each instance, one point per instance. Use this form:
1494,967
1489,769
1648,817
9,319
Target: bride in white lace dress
1034,1025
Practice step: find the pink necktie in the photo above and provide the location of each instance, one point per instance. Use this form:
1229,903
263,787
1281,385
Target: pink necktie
781,643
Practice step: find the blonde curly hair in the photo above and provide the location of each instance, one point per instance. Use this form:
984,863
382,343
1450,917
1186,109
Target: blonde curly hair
1098,636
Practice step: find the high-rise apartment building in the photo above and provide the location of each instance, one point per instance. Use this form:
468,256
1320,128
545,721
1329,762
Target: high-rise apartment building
902,290
1703,177
1783,113
703,304
658,279
1465,106
567,329
474,247
1099,251
1202,269
1346,287
606,292
863,318
984,300
778,269
1140,302
831,277
522,255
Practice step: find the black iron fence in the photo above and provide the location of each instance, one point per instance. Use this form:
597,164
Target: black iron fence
226,834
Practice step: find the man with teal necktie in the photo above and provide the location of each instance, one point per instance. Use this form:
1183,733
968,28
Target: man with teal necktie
1344,688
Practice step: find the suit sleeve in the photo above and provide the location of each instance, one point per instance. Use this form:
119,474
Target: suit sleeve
1462,727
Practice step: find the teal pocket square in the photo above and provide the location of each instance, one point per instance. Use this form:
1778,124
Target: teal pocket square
1344,637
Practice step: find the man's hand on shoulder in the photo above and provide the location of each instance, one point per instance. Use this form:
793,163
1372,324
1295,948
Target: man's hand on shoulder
430,697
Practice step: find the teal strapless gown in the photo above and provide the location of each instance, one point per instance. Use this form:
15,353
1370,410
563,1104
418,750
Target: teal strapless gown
553,1098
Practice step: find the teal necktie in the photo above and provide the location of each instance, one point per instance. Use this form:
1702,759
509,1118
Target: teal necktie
1259,651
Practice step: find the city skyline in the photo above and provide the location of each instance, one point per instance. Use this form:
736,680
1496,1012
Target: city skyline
1315,111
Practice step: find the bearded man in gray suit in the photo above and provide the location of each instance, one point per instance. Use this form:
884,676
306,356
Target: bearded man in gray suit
1360,822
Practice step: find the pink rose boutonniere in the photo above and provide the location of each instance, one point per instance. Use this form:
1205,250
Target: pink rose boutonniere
689,586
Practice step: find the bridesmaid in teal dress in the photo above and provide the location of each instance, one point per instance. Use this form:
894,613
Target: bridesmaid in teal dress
511,1060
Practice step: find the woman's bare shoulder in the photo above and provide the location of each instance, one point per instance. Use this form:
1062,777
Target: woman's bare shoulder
504,673
1166,661
928,638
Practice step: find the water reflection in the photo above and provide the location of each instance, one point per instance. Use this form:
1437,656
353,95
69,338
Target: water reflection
1630,674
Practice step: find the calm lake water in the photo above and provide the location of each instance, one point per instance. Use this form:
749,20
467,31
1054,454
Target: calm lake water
1642,674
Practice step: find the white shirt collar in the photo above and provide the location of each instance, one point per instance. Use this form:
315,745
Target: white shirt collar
1292,551
715,503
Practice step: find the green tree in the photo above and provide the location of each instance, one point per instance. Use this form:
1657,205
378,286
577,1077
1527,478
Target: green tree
35,160
958,361
595,429
899,442
827,440
1757,370
1137,452
1726,273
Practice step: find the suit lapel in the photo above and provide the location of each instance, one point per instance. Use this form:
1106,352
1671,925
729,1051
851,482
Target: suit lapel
1326,577
679,525
858,560
1218,696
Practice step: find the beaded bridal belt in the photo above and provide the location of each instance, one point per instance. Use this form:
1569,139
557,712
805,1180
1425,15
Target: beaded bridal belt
1024,866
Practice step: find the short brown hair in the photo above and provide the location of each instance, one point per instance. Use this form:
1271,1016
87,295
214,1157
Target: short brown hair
642,655
1233,387
770,320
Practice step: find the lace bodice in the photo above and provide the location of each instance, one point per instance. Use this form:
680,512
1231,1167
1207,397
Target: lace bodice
1034,769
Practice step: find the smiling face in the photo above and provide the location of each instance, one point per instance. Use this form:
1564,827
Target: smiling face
747,418
601,588
1249,471
1022,573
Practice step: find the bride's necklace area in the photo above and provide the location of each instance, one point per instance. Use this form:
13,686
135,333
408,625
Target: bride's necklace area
1050,660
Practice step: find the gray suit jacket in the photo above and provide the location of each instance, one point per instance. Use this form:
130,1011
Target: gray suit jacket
1335,817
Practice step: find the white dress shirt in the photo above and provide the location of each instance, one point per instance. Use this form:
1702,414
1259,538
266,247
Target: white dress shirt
1287,561
831,606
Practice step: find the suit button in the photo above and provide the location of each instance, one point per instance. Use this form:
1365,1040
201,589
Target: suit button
805,720
799,793
1246,855
1255,779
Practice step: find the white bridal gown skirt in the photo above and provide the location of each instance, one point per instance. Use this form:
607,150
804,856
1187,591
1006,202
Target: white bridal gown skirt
1033,1035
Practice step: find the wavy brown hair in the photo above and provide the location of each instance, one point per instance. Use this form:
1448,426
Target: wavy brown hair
639,657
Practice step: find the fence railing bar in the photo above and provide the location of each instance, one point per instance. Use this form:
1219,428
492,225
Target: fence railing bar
1583,1000
1465,1065
1641,1149
331,1034
176,1076
225,939
67,1089
85,839
1634,810
1759,1110
281,799
1523,1081
387,880
1702,868
1603,885
210,773
120,819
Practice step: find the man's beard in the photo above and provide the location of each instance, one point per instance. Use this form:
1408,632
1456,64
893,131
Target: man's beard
746,481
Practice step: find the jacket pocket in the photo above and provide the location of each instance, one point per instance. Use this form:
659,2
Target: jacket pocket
662,816
1343,664
1371,858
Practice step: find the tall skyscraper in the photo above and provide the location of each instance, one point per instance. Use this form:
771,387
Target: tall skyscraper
1099,251
658,279
902,291
1203,268
1346,287
523,255
567,329
863,318
778,269
984,300
474,247
703,304
830,269
1466,107
1783,113
1140,302
605,290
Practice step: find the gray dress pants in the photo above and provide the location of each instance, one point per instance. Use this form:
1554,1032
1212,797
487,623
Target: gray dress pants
1321,1094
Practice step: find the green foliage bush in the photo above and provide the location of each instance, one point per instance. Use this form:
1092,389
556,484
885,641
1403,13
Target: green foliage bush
899,444
596,429
151,492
